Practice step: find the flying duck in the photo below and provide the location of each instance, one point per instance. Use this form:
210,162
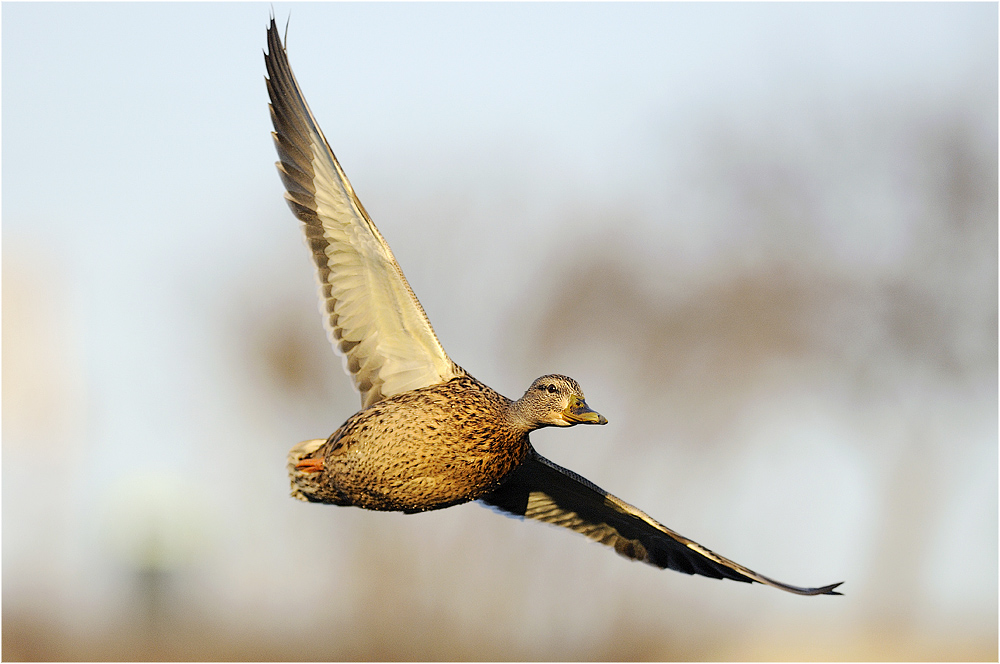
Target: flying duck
428,434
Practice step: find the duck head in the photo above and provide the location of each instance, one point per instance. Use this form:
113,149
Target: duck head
557,401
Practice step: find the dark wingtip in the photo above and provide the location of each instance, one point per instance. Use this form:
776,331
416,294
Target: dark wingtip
829,590
271,30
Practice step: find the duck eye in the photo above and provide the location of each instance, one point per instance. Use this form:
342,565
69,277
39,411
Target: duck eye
552,389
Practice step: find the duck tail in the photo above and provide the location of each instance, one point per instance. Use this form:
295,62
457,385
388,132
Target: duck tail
305,470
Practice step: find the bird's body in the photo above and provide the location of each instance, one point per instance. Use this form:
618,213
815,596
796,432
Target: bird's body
420,450
428,434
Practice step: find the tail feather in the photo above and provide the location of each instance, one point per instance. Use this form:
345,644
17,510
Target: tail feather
304,484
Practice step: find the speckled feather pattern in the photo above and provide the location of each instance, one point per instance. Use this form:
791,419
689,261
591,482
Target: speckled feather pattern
421,450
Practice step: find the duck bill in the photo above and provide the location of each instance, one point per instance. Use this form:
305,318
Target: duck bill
578,412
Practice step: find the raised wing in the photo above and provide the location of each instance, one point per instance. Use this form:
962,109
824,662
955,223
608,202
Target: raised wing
539,489
371,315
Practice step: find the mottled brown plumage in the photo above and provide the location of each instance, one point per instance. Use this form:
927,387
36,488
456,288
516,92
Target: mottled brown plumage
429,435
432,447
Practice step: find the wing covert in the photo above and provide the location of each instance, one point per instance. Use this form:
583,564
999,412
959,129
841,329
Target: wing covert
372,316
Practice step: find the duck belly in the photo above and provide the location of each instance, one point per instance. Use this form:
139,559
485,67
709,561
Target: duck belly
417,451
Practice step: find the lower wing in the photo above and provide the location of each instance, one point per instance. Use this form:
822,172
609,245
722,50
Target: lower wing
542,490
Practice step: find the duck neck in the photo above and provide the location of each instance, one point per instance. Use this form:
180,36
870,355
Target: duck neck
517,420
